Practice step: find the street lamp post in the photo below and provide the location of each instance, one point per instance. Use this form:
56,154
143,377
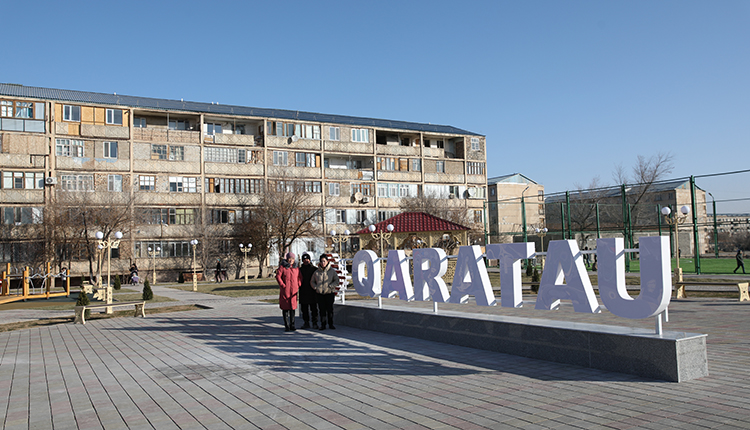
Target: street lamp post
245,250
340,239
194,243
541,232
153,254
676,219
108,245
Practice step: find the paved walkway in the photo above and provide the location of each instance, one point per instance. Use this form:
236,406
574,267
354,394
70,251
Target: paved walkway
233,367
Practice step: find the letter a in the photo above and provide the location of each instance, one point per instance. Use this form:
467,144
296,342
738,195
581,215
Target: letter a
471,278
397,280
565,262
428,280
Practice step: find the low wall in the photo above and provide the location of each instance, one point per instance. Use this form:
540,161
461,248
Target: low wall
672,356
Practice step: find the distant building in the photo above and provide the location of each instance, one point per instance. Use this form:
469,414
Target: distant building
504,210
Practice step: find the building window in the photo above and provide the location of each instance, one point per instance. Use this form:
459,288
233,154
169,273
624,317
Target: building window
387,163
304,159
180,184
179,125
212,129
71,113
139,122
540,193
341,216
313,187
114,116
477,216
147,183
475,144
334,189
440,166
474,168
77,182
280,158
20,216
182,216
6,108
158,152
114,183
23,110
334,133
234,186
69,148
416,165
110,149
222,216
226,155
360,135
177,153
365,189
23,180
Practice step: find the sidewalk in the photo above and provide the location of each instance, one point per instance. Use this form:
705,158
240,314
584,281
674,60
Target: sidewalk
233,366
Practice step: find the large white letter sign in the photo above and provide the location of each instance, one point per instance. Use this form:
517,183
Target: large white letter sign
656,286
510,256
471,278
430,264
397,280
565,262
366,286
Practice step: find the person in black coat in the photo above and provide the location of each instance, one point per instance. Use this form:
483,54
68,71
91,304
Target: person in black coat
307,296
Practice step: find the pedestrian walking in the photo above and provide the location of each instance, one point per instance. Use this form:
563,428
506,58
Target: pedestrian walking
324,282
289,280
740,263
218,271
307,296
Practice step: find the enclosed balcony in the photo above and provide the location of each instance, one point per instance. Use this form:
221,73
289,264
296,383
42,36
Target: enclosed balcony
352,168
397,143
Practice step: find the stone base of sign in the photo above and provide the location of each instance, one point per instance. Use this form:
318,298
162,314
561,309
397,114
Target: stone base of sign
672,356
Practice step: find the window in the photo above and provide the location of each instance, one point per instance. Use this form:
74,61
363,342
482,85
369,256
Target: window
156,216
440,166
334,133
313,187
304,159
416,165
473,168
341,216
24,110
23,180
180,184
139,122
307,131
221,216
6,108
477,216
226,155
334,189
540,193
114,183
212,129
71,113
360,135
387,163
181,216
114,116
21,215
475,144
234,186
280,158
147,183
365,189
158,152
179,125
69,148
110,149
177,153
405,141
77,182
384,215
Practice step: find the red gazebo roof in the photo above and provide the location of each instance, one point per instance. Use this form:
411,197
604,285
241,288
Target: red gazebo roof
408,222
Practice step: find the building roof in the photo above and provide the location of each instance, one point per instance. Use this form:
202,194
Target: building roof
513,178
413,222
72,96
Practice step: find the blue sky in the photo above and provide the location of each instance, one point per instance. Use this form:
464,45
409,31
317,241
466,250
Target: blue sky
563,90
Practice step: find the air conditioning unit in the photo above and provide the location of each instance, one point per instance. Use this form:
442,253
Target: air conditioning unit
50,181
451,196
365,199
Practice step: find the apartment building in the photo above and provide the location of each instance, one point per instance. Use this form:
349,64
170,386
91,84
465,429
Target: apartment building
505,213
181,163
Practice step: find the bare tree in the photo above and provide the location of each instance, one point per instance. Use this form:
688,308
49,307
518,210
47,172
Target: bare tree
641,179
583,211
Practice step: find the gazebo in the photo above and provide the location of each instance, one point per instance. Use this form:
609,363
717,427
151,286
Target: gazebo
414,230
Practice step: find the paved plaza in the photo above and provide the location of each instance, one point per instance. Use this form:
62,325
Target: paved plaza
233,366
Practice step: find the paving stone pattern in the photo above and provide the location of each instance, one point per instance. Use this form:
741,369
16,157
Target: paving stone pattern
233,366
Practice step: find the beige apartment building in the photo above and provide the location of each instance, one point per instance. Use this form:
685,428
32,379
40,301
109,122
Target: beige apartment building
181,163
505,211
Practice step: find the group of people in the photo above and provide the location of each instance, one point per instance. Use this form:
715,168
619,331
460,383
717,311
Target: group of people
315,286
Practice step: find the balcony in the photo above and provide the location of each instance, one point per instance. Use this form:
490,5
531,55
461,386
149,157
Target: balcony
446,178
476,179
167,199
434,152
348,147
234,139
226,199
352,174
294,172
105,131
287,142
21,196
248,169
412,151
165,135
395,175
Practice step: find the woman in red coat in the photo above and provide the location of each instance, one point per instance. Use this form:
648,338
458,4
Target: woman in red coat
289,280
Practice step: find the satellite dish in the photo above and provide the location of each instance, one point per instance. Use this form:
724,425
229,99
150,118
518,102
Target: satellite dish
358,196
472,191
295,138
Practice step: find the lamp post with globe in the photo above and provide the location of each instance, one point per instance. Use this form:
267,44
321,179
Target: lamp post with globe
675,219
339,239
245,250
107,245
194,244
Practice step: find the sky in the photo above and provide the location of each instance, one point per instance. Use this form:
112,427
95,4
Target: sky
564,91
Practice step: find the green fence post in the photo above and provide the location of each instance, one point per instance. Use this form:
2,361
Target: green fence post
696,238
567,202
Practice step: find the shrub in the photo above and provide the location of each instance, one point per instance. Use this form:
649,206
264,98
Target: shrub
147,293
118,283
529,268
83,300
535,277
181,279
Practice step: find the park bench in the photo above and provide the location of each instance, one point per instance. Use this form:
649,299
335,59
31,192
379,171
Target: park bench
81,310
741,286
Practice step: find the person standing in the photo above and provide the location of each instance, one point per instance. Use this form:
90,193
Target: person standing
324,282
740,263
218,271
307,296
289,280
